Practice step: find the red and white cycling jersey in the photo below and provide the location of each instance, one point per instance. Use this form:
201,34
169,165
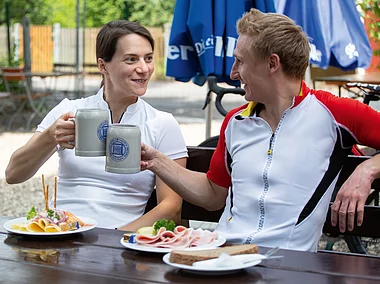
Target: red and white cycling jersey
280,183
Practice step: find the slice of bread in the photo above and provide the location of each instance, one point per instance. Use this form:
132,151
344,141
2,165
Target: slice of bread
188,257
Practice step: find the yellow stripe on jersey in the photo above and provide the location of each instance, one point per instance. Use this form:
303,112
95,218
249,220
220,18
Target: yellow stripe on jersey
248,110
251,105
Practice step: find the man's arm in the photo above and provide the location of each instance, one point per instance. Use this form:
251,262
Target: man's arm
351,197
192,186
168,205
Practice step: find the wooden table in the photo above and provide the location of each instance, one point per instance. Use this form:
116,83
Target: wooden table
341,81
48,80
98,257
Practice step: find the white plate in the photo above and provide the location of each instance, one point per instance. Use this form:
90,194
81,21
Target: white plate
216,243
207,270
8,226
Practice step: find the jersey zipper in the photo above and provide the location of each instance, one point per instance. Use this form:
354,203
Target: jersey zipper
268,164
270,149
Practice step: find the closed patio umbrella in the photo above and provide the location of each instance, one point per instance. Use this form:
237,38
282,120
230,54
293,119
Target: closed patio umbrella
203,37
337,35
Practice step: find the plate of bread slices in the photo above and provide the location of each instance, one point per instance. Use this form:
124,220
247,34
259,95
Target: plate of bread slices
221,260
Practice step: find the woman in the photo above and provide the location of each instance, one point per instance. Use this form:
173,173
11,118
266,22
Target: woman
124,52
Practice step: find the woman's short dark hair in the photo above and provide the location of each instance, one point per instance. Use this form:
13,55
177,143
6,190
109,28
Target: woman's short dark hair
108,36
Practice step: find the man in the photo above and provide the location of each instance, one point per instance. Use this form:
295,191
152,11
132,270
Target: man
279,156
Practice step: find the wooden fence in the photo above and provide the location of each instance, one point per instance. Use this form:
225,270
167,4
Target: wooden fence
54,45
41,48
3,44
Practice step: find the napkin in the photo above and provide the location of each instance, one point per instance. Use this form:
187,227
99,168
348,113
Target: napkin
226,260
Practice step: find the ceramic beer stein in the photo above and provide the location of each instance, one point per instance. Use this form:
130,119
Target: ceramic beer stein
123,151
91,126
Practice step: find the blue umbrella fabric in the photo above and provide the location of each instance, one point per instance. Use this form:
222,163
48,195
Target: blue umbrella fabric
203,37
336,34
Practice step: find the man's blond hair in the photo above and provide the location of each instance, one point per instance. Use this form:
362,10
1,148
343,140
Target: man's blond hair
276,33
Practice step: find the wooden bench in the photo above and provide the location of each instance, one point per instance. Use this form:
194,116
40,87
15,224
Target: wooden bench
370,227
199,160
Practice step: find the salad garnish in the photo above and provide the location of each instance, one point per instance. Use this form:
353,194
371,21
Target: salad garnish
32,212
169,225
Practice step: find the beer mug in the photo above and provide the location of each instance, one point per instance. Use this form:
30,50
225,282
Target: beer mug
91,127
123,151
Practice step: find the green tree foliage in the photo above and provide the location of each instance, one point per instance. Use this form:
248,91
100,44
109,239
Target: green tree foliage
37,10
64,13
99,12
372,6
152,13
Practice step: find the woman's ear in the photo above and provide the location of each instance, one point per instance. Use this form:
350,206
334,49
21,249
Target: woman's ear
102,66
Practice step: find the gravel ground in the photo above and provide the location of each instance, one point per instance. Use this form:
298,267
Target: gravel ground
17,199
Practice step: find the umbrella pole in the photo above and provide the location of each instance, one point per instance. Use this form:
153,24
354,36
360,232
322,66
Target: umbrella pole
308,76
208,115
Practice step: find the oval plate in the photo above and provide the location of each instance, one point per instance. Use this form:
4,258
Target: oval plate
216,243
8,226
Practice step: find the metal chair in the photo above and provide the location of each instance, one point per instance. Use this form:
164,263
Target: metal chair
22,96
5,104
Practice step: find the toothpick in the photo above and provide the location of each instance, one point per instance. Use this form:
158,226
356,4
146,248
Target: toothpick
43,185
55,192
47,198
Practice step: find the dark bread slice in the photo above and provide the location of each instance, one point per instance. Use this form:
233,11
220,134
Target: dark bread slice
188,257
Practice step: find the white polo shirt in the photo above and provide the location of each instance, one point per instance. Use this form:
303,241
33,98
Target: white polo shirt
114,200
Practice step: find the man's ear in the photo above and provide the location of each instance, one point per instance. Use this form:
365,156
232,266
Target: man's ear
102,65
274,62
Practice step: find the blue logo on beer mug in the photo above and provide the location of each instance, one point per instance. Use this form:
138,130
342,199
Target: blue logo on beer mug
102,131
118,149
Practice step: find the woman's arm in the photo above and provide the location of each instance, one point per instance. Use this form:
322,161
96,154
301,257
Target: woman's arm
168,207
26,161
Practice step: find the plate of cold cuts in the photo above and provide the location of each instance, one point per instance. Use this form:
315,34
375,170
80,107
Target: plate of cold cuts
181,238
